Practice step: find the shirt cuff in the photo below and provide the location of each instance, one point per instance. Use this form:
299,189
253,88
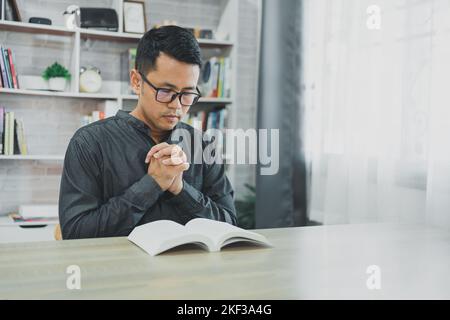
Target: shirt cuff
189,199
145,192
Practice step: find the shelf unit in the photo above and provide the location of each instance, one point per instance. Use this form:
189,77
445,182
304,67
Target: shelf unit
100,96
227,29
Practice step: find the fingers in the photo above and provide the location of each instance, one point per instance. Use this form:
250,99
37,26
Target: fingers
155,149
174,160
171,150
169,155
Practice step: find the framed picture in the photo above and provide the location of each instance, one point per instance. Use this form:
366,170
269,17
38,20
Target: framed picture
134,17
12,12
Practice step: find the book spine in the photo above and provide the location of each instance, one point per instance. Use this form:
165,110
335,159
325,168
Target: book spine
24,139
6,140
213,78
2,130
11,132
227,84
7,67
216,79
219,80
3,69
13,69
95,116
16,138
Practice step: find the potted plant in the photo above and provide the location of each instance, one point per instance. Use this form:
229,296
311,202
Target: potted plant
57,77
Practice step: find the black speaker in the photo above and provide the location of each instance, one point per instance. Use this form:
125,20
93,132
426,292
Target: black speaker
40,20
99,18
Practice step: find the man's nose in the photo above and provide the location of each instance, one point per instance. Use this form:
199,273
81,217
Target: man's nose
175,104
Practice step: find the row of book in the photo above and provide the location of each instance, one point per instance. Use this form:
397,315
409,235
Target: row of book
204,120
215,78
12,134
8,70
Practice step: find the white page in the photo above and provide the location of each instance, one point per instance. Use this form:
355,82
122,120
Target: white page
223,233
158,236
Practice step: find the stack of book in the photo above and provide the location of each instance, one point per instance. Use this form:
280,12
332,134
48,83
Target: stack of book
94,116
8,70
215,78
12,134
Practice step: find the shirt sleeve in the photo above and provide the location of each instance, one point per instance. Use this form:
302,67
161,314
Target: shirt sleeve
215,201
82,211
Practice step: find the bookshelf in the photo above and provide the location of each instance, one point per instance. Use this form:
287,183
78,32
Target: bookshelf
81,47
100,96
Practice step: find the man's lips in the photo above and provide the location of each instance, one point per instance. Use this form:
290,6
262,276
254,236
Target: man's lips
171,117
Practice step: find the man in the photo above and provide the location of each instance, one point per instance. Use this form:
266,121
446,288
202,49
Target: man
125,170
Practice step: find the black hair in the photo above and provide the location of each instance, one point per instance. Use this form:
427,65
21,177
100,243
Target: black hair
179,43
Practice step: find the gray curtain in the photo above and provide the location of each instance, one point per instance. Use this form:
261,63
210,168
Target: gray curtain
281,198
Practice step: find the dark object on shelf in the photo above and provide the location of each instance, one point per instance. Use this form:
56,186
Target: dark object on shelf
39,20
99,18
12,11
201,33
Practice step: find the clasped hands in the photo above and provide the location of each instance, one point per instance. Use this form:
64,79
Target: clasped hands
167,164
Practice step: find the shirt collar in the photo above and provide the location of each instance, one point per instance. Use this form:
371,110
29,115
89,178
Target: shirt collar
140,125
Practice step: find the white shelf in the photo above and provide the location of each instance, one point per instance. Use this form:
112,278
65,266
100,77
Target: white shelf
34,28
32,157
216,100
65,94
100,96
91,33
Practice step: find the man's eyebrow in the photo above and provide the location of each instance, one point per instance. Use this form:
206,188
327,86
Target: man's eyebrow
172,86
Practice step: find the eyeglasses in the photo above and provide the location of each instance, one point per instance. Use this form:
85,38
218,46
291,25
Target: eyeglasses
165,95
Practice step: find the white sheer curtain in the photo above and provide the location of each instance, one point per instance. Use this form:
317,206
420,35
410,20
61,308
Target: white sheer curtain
377,111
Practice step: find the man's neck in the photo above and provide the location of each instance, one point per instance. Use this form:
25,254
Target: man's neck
155,134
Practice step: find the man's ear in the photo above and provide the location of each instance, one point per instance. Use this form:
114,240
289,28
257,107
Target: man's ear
135,80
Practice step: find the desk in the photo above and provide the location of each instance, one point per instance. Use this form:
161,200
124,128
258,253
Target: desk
324,262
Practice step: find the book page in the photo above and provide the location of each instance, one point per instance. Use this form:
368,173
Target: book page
223,233
159,236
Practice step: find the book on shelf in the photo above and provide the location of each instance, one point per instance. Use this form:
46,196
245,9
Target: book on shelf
96,115
12,134
215,78
159,236
8,69
2,126
204,120
127,63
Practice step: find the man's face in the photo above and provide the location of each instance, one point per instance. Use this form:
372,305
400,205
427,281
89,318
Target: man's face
169,74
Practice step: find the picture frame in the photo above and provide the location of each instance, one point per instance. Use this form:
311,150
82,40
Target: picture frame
134,20
12,12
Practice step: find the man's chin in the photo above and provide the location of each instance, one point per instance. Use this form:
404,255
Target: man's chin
169,122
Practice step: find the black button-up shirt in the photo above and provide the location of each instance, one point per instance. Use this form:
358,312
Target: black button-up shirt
106,191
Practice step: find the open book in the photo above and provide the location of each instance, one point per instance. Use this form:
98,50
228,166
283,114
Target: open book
159,236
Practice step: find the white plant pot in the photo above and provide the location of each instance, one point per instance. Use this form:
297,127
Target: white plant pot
57,84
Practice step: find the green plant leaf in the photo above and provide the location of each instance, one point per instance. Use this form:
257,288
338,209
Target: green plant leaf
56,70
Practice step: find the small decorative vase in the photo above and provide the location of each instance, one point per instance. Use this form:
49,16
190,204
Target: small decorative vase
57,84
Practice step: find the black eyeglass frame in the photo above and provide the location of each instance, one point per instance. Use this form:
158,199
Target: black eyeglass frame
175,95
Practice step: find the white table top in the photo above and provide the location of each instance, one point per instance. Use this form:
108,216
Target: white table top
326,262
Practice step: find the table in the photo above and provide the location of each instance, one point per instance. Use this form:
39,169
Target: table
323,262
